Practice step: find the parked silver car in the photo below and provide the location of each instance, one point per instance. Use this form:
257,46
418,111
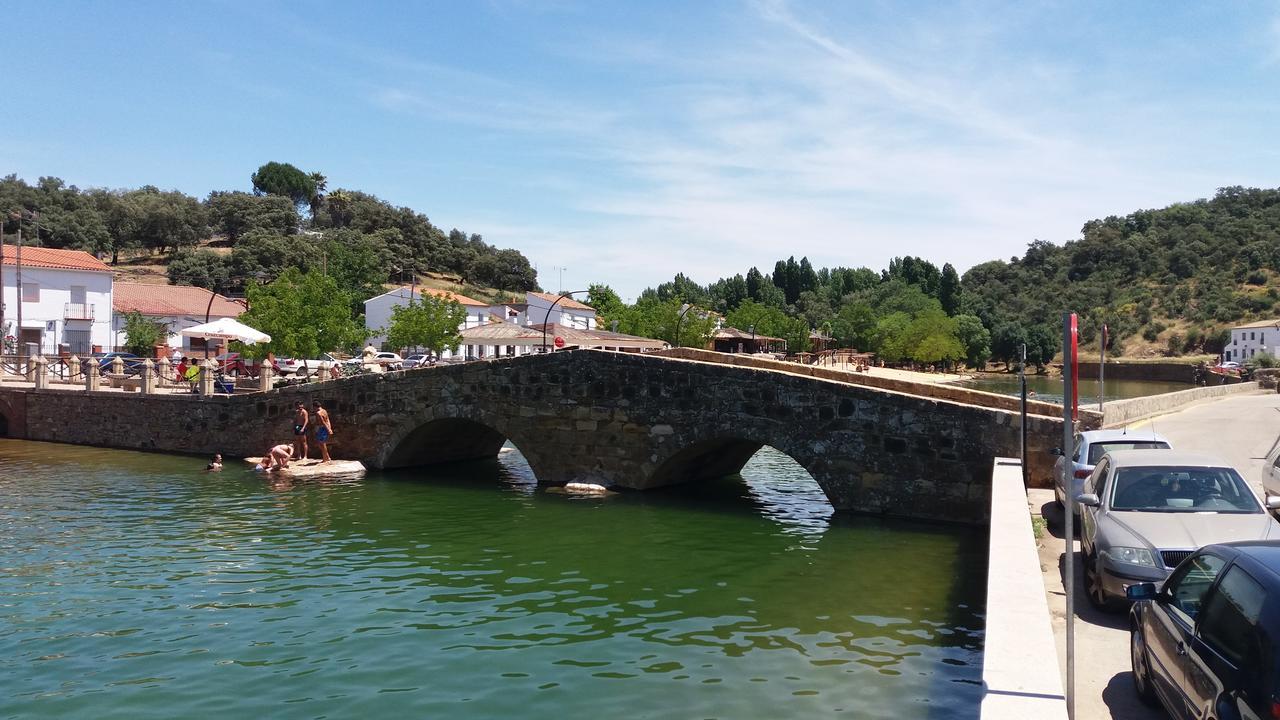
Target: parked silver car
1090,446
1147,510
1271,470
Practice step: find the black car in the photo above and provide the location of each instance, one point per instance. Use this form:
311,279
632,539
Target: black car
1207,643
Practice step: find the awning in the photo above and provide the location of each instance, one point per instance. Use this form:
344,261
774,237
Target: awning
227,329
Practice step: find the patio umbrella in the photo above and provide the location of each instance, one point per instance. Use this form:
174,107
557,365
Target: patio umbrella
226,329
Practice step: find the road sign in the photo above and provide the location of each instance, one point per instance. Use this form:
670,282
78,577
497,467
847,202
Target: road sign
559,342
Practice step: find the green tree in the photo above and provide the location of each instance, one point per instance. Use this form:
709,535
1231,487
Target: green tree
236,213
305,314
931,338
276,178
949,289
168,220
975,338
142,334
202,268
431,322
854,326
606,302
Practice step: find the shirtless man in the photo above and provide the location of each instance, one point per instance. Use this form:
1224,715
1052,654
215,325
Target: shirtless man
277,458
324,430
301,424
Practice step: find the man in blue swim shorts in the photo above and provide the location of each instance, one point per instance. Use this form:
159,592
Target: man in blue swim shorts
324,430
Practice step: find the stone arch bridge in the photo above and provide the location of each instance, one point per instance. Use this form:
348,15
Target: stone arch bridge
622,420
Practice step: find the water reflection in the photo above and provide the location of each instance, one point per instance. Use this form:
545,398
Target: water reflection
137,583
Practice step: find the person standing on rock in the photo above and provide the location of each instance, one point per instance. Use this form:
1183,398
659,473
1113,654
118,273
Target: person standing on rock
324,429
301,424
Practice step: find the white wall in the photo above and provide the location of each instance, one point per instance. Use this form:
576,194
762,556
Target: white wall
569,317
377,314
48,314
1247,342
175,323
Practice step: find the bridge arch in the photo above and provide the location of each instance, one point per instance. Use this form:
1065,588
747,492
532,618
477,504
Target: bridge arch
432,439
708,456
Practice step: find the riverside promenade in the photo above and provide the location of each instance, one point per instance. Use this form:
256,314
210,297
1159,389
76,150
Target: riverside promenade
1239,429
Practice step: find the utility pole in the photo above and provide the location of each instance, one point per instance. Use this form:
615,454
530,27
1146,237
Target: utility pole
2,325
17,334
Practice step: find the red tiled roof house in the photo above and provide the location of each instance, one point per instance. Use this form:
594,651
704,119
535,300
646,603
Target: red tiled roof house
176,306
63,300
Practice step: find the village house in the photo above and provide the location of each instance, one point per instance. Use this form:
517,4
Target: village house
177,307
1256,338
63,299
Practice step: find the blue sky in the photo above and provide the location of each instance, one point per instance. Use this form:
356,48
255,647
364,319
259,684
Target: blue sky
628,141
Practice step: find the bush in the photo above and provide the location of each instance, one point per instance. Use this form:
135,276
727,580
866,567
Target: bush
1257,277
1173,347
1152,331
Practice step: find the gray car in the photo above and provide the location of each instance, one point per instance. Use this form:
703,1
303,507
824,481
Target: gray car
1070,473
1147,510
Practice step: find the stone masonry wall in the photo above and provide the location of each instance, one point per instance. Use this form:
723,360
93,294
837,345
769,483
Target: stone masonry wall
624,420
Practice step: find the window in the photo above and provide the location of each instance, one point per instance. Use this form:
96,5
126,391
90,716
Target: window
1187,587
1182,489
1230,620
1250,336
1098,480
30,292
1075,457
1097,450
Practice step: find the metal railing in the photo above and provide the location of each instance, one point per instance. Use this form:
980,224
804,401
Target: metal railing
77,311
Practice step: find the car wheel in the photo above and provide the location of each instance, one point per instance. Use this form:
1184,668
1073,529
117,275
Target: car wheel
1141,668
1093,585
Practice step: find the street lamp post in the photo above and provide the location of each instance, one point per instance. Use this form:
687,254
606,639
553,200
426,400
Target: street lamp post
547,317
680,319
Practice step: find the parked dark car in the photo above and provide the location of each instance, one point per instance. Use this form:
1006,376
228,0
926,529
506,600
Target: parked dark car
132,363
1207,643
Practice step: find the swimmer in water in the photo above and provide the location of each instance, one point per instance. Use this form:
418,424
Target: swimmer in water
216,464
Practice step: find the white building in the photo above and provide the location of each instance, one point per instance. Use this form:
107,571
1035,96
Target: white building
568,312
377,310
64,302
1252,339
177,307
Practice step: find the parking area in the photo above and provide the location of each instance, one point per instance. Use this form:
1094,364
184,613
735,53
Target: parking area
1238,429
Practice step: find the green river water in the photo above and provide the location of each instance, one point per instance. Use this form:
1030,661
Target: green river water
136,586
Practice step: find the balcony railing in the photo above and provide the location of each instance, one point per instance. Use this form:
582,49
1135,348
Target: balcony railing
78,311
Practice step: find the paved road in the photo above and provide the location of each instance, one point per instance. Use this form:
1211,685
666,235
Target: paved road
1238,429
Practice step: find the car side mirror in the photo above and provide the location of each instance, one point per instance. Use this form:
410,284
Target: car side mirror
1273,502
1088,499
1141,591
1056,451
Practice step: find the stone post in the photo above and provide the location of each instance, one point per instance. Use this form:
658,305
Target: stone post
31,369
148,384
162,372
207,370
117,365
264,377
91,372
40,368
73,368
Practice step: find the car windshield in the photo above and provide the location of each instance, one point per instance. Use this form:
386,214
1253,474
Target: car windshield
1102,447
1182,489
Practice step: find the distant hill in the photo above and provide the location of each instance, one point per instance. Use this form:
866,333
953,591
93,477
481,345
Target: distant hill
1168,281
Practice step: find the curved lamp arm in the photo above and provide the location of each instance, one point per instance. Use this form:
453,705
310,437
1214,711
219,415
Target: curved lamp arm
547,316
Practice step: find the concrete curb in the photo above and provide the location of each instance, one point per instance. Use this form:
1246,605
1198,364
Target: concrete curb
1020,672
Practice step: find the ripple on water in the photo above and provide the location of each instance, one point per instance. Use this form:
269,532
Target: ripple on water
137,583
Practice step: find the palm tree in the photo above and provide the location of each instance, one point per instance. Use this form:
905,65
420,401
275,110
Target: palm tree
319,184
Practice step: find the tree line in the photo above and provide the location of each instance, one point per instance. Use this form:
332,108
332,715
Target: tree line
1181,275
288,219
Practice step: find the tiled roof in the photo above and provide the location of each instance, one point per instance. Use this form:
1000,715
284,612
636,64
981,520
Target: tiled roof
404,290
1259,324
732,333
567,302
40,257
170,300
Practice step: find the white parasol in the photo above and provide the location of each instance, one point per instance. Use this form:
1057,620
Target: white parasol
227,329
